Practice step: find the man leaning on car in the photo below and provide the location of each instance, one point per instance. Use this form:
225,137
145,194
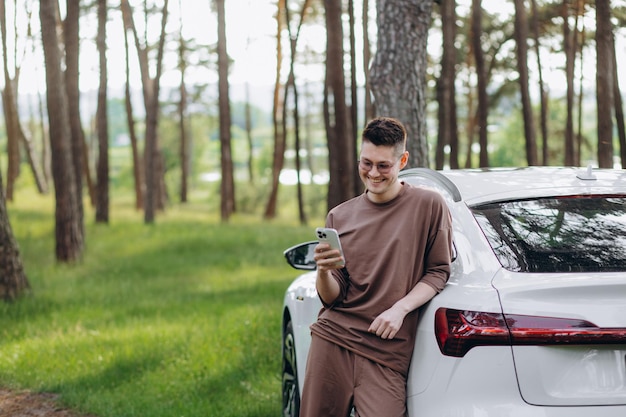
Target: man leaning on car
397,244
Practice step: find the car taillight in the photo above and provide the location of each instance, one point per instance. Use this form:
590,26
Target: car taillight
458,331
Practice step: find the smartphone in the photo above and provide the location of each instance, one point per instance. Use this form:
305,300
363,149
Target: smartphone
330,236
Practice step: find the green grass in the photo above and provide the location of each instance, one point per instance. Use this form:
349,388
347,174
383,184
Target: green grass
179,318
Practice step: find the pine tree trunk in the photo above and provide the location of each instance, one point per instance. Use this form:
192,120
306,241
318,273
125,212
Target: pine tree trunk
482,110
68,227
521,39
398,75
102,167
228,182
604,83
278,158
13,281
341,154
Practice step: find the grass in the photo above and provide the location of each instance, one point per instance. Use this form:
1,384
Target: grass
179,318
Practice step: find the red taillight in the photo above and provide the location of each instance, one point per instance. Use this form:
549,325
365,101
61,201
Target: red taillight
458,331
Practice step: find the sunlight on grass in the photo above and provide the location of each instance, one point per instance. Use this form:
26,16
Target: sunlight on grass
177,318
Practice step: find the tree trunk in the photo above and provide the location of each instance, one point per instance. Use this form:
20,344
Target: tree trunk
228,182
570,59
446,92
341,151
470,123
10,113
542,92
13,281
297,145
604,83
619,110
46,153
581,89
154,197
482,111
77,137
15,133
291,86
134,142
185,148
278,159
367,57
398,74
68,227
12,126
102,169
249,138
521,39
354,107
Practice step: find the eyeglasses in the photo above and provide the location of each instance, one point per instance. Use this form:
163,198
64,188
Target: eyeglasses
382,167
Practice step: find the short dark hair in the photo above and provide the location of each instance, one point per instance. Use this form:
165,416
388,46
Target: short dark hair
385,131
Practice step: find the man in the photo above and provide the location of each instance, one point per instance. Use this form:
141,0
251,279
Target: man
397,243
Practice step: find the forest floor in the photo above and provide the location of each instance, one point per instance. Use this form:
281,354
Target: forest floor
30,404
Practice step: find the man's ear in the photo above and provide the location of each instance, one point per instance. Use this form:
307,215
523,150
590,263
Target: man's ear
404,159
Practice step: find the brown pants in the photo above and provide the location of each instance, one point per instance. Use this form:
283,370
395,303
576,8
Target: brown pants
337,379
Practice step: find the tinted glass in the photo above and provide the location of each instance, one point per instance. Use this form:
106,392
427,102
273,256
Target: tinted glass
565,234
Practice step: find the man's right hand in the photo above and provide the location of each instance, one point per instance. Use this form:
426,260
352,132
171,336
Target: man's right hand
327,258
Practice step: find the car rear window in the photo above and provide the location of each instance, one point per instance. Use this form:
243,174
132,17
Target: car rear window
561,234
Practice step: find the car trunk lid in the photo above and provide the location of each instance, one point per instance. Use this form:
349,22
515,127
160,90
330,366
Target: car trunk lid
568,336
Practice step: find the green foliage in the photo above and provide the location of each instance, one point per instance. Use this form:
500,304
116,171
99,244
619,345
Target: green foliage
177,318
506,136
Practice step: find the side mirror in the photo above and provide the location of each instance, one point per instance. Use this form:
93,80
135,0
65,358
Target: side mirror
301,256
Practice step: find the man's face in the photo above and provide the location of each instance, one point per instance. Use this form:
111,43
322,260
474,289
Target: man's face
379,168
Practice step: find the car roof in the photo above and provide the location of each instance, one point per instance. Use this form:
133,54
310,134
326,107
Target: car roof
479,186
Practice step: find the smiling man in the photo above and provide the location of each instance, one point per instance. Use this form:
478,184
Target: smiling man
397,243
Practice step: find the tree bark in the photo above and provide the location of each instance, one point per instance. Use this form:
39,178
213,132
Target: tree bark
14,131
482,111
130,121
13,280
398,74
68,227
447,132
228,182
10,113
278,159
521,39
154,197
77,136
570,59
12,127
185,145
367,57
543,96
341,151
619,109
604,83
354,102
102,167
291,86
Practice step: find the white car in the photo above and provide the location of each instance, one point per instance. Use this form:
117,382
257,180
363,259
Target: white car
532,322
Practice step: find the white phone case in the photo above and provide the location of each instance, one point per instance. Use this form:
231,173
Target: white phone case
330,236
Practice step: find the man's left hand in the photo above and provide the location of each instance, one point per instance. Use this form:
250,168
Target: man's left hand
388,323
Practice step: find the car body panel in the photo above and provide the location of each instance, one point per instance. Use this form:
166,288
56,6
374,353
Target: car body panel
481,186
302,305
569,375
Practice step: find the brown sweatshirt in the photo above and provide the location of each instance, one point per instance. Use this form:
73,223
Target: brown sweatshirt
388,248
